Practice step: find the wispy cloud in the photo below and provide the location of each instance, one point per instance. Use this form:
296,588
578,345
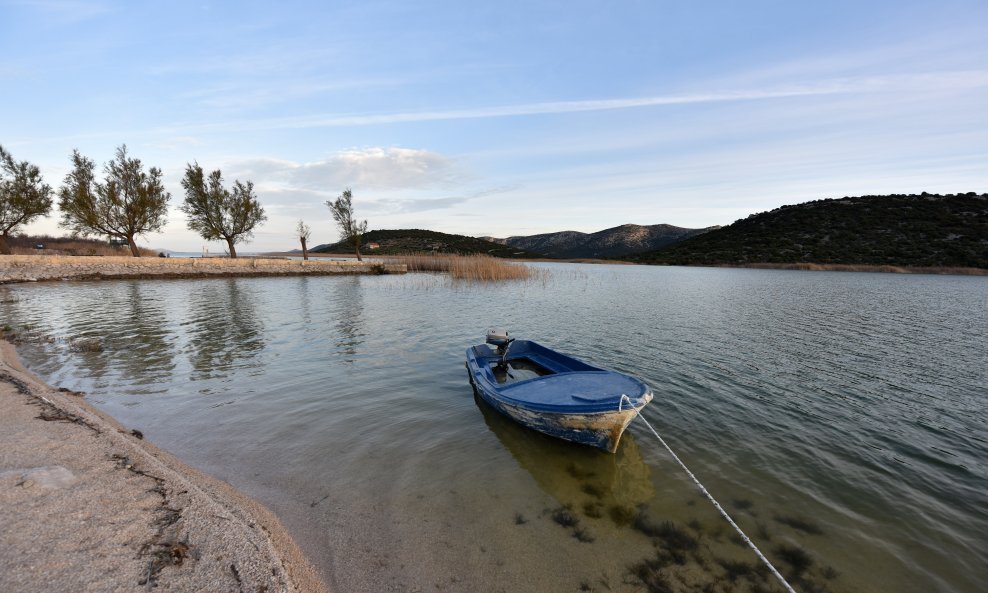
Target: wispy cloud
956,80
411,206
255,94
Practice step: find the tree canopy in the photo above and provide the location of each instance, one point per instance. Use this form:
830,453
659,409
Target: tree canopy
351,230
24,196
127,203
217,213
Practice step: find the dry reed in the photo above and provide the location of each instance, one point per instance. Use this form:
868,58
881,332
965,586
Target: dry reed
481,268
70,246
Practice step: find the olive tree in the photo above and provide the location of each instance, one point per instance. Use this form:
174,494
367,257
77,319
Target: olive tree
303,232
351,230
217,213
24,196
129,202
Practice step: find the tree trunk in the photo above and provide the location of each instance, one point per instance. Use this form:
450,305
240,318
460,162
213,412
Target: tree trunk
305,252
133,246
4,246
356,247
233,250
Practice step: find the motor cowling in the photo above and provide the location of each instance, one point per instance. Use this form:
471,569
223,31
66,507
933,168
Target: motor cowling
497,336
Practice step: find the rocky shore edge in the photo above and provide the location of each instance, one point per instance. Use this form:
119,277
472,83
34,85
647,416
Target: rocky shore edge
35,268
87,505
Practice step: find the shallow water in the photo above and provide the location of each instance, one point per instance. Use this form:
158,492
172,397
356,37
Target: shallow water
840,417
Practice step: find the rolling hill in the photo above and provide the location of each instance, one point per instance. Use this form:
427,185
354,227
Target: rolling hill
899,230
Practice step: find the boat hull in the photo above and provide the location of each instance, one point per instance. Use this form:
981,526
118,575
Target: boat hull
602,430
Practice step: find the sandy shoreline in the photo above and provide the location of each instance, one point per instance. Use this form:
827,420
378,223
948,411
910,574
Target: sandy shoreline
86,505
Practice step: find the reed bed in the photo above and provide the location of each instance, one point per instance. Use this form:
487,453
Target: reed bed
480,268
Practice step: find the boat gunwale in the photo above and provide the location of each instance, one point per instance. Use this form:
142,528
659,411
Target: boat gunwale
482,374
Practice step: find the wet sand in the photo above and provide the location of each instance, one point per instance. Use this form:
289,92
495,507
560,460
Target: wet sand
87,505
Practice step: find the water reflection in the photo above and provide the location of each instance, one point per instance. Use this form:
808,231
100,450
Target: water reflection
225,331
593,482
349,299
144,353
305,300
128,336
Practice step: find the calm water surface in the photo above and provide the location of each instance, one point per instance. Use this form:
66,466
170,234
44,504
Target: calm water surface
840,417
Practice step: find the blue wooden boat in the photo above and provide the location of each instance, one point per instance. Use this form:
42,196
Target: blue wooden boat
554,393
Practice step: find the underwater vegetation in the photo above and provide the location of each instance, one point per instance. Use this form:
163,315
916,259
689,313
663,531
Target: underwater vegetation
800,524
674,540
621,515
698,552
594,510
564,517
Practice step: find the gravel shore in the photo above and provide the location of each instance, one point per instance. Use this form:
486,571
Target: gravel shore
87,505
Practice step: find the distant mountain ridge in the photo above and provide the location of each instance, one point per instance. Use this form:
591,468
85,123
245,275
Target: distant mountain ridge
924,230
405,241
613,242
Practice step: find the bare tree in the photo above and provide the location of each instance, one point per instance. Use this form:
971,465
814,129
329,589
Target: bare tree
351,230
24,196
217,213
304,232
129,202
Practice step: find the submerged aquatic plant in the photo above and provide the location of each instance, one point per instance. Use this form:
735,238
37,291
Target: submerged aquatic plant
592,489
594,510
799,524
736,569
672,536
797,558
652,575
622,515
564,517
578,473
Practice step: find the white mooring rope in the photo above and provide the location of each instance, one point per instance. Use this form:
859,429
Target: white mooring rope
713,501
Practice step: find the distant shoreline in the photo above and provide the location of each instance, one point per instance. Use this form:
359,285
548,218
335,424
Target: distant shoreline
938,270
813,267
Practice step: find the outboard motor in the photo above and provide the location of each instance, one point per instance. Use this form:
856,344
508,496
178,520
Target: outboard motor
498,337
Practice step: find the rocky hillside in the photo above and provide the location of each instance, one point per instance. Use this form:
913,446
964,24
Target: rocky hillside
404,241
614,242
900,230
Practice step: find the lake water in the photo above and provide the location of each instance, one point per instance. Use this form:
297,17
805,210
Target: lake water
839,417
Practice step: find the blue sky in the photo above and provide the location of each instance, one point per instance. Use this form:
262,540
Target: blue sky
509,118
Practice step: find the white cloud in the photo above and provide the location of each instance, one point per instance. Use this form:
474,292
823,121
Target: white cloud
366,168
